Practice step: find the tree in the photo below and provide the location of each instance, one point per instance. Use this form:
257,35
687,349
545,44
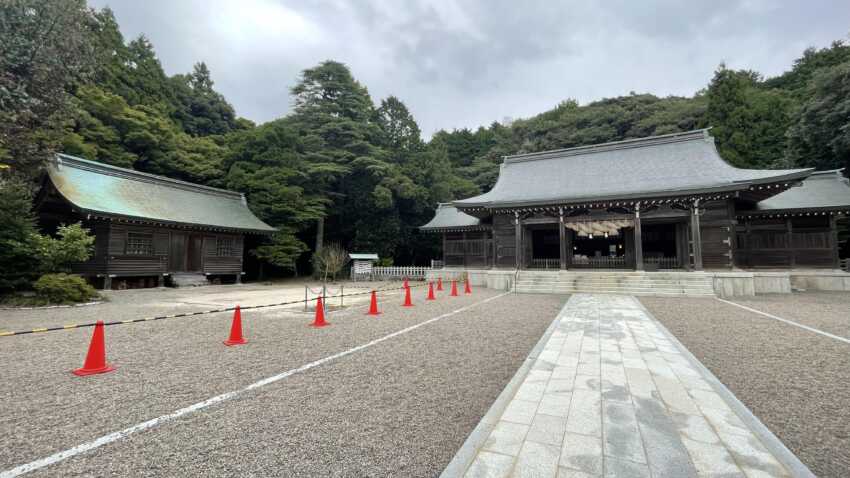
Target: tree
17,225
329,261
283,250
820,136
749,123
45,49
56,254
401,133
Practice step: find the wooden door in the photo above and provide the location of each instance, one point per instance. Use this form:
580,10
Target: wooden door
177,253
194,254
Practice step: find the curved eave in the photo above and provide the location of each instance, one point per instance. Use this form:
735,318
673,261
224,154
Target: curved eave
143,220
762,185
455,229
818,211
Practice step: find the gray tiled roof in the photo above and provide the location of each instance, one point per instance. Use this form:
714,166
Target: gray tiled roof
821,190
448,217
674,164
101,189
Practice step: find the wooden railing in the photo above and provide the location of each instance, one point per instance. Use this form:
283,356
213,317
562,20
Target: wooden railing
663,262
602,262
545,263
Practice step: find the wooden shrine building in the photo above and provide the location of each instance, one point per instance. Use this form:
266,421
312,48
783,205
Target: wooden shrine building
147,226
664,202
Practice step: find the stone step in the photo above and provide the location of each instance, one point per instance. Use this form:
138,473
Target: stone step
618,284
189,280
658,292
700,290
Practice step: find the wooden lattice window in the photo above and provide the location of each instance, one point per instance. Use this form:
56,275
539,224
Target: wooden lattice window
139,244
225,247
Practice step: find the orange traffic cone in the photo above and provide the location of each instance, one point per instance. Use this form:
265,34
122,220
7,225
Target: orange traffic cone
373,307
96,356
320,315
467,288
454,289
439,283
407,301
236,337
431,291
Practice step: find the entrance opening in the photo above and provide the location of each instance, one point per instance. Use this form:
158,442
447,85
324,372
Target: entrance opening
599,251
659,245
545,248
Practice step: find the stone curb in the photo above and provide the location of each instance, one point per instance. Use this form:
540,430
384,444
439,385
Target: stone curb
773,444
466,454
67,306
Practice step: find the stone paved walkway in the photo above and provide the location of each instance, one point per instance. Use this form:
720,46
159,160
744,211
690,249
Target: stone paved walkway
611,395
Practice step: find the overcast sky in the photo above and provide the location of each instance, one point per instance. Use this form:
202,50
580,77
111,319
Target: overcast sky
467,63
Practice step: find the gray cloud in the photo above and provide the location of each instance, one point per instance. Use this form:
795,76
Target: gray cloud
466,63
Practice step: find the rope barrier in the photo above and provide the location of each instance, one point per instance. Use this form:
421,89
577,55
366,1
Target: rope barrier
185,314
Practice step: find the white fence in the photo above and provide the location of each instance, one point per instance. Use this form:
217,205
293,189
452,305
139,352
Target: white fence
397,273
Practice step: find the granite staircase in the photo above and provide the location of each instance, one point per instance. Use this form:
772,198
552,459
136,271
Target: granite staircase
663,284
189,279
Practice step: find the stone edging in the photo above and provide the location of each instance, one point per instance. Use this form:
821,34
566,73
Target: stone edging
44,307
768,439
466,454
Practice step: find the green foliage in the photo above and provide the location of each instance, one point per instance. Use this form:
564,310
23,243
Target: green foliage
64,289
17,226
56,254
820,137
283,250
45,49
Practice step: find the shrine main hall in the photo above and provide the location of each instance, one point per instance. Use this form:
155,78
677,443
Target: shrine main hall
661,203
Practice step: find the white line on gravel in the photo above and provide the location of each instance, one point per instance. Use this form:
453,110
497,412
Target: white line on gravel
789,322
115,436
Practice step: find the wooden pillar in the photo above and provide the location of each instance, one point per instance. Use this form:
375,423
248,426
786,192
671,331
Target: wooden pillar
493,261
638,240
465,247
833,240
696,239
444,249
518,237
160,280
107,282
789,236
562,239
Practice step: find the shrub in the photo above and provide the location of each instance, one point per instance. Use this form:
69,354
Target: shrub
63,288
73,243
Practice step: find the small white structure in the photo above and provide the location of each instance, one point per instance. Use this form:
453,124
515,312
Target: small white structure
362,265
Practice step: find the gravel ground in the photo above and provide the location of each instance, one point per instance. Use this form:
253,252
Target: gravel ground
794,381
139,303
400,408
827,311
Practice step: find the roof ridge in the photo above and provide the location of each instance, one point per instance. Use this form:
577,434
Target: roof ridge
109,169
698,134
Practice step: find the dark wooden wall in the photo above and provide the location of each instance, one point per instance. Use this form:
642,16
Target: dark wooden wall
717,226
504,235
467,249
804,241
112,257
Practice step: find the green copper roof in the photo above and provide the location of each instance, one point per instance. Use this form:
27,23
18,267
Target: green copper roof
100,189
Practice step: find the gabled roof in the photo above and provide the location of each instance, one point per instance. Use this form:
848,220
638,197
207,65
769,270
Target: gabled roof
363,257
448,217
676,164
103,190
822,190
